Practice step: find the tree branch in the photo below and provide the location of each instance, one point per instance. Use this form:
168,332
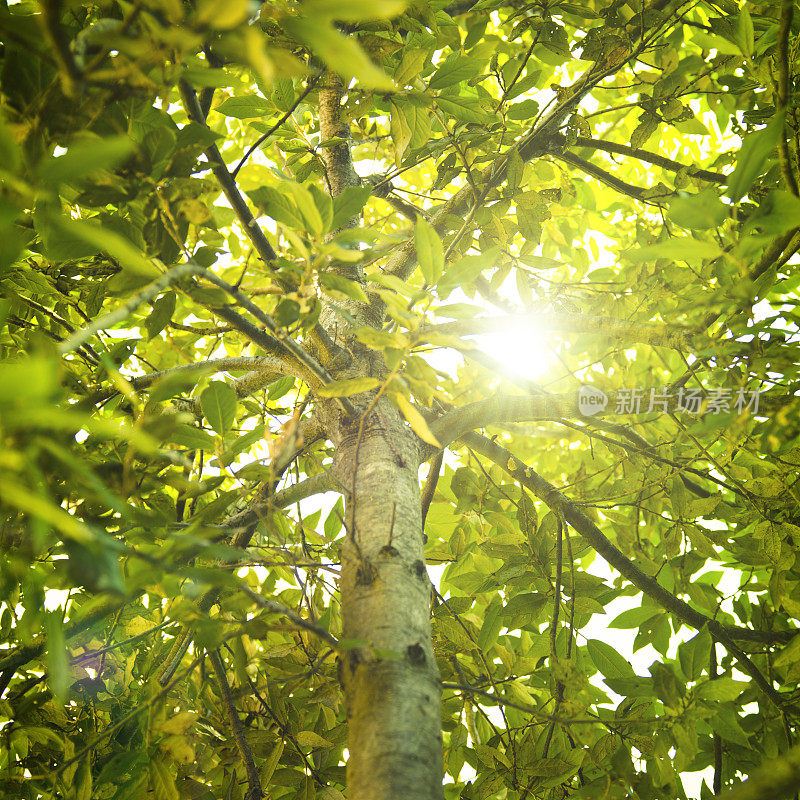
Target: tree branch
128,307
279,608
277,344
22,655
548,494
255,792
71,75
263,138
603,176
226,180
661,335
532,145
651,158
316,484
559,504
784,78
503,409
429,489
257,365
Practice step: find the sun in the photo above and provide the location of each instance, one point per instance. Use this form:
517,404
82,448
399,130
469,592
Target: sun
520,345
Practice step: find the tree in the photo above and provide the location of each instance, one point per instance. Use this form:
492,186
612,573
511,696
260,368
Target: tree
236,240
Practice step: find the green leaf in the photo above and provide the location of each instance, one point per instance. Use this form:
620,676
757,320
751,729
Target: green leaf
28,381
271,762
354,10
348,387
726,724
245,107
411,64
311,739
693,251
118,247
523,609
200,77
790,654
162,781
608,660
467,109
492,624
699,211
644,130
527,517
242,443
400,130
192,437
414,419
379,340
9,149
637,686
745,36
634,617
218,401
58,677
755,151
162,312
465,270
348,204
777,214
85,158
304,201
456,69
341,53
221,14
278,206
430,253
337,285
18,495
720,690
83,780
694,655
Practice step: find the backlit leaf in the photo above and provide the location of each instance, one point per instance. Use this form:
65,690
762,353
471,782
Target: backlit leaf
218,401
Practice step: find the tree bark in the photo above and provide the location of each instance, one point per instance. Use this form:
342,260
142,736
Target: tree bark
391,683
389,675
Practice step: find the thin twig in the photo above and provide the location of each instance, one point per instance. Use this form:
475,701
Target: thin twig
263,138
226,180
429,489
784,78
255,791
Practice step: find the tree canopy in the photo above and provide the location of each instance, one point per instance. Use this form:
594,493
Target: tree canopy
280,518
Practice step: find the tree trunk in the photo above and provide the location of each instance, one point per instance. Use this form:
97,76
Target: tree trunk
391,683
390,678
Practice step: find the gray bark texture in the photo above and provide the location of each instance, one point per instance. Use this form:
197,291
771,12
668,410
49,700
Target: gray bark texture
389,675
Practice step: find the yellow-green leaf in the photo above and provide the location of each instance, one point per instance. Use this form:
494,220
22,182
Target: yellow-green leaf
218,402
415,419
335,284
221,14
348,387
341,53
162,781
311,739
430,254
271,763
57,659
354,10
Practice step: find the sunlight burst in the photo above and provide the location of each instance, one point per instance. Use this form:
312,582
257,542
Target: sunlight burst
522,346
